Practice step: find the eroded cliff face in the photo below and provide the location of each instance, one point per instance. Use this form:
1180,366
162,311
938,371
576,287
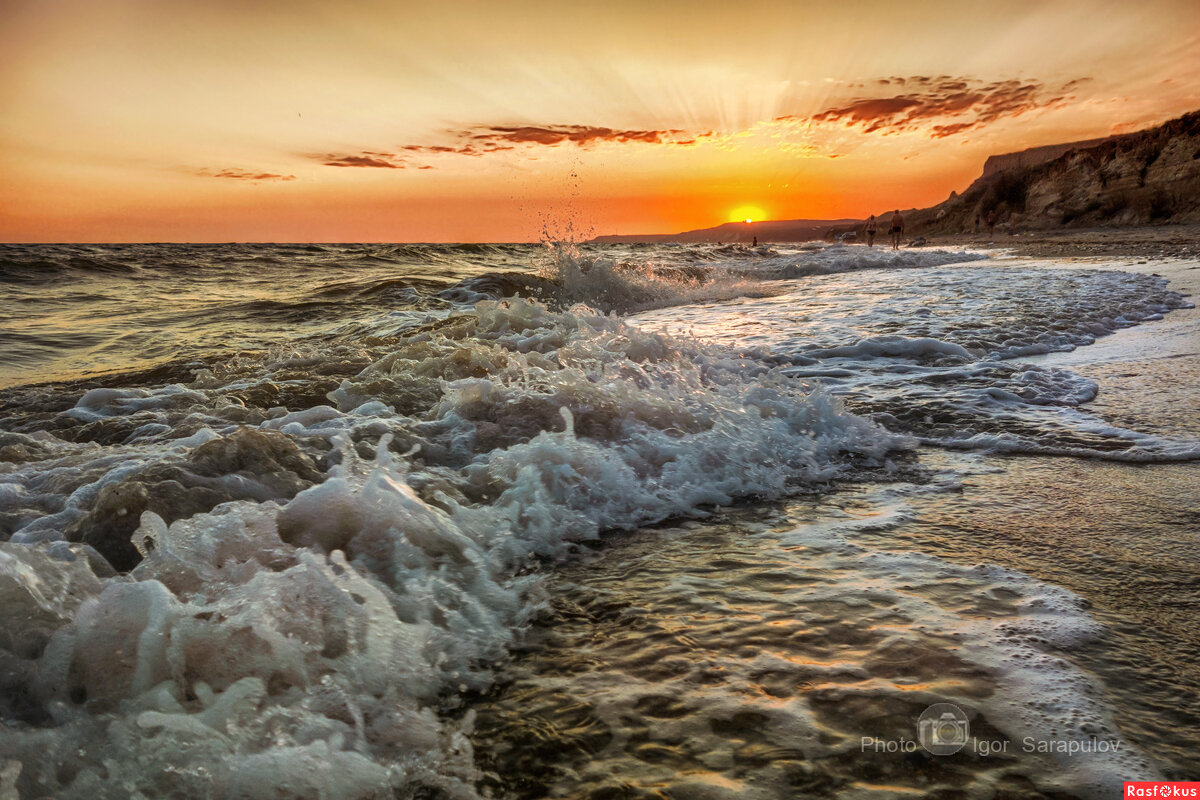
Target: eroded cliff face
1033,156
1152,176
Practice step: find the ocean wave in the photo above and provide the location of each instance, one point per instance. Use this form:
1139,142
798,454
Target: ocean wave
310,587
625,281
285,568
937,352
839,258
43,270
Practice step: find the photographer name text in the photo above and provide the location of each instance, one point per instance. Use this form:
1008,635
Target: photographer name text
987,747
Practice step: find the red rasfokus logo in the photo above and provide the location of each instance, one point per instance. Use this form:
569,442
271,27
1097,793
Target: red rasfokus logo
1162,789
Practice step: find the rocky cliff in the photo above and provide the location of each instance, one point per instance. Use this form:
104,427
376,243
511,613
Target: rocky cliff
1151,176
1033,156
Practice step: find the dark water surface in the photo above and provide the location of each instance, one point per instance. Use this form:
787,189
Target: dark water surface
689,521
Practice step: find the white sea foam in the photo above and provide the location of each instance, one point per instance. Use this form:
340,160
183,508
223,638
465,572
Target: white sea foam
776,657
892,347
1040,695
304,643
327,563
936,352
839,258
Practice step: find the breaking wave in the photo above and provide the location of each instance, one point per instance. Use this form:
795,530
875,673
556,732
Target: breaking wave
284,560
310,591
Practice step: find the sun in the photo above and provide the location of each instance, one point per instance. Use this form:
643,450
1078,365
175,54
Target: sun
747,213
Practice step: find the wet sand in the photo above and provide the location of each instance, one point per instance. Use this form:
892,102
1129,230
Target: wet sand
1163,241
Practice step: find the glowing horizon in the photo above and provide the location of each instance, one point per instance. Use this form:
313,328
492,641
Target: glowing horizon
130,120
748,213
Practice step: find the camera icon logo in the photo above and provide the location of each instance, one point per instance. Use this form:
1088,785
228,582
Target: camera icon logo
943,729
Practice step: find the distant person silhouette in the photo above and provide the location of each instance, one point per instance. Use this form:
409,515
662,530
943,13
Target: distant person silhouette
897,229
976,224
991,222
755,242
872,225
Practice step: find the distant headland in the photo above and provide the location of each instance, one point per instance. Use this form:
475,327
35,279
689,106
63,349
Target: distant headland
785,230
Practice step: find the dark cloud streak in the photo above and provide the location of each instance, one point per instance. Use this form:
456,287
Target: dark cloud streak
481,140
243,175
946,105
581,135
375,160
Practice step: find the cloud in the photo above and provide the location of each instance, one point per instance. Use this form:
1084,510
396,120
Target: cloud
481,140
943,105
581,135
366,159
942,131
463,150
431,148
243,175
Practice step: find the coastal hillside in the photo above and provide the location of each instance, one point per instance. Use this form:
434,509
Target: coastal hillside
1033,156
780,230
1148,177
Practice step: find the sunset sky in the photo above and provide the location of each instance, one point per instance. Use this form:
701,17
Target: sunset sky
266,120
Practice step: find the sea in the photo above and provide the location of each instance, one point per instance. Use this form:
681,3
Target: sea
596,521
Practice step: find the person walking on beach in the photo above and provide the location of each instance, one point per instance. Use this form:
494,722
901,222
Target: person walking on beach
897,229
991,222
871,226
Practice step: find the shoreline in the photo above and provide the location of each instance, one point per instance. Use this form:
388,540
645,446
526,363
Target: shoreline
1087,527
1149,242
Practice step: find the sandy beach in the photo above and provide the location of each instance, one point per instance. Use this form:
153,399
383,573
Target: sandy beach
1163,241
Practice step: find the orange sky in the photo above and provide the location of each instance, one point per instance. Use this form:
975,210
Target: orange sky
265,120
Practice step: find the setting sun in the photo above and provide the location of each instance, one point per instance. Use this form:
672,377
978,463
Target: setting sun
747,214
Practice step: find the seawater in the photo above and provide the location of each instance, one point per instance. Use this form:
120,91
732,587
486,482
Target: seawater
364,521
